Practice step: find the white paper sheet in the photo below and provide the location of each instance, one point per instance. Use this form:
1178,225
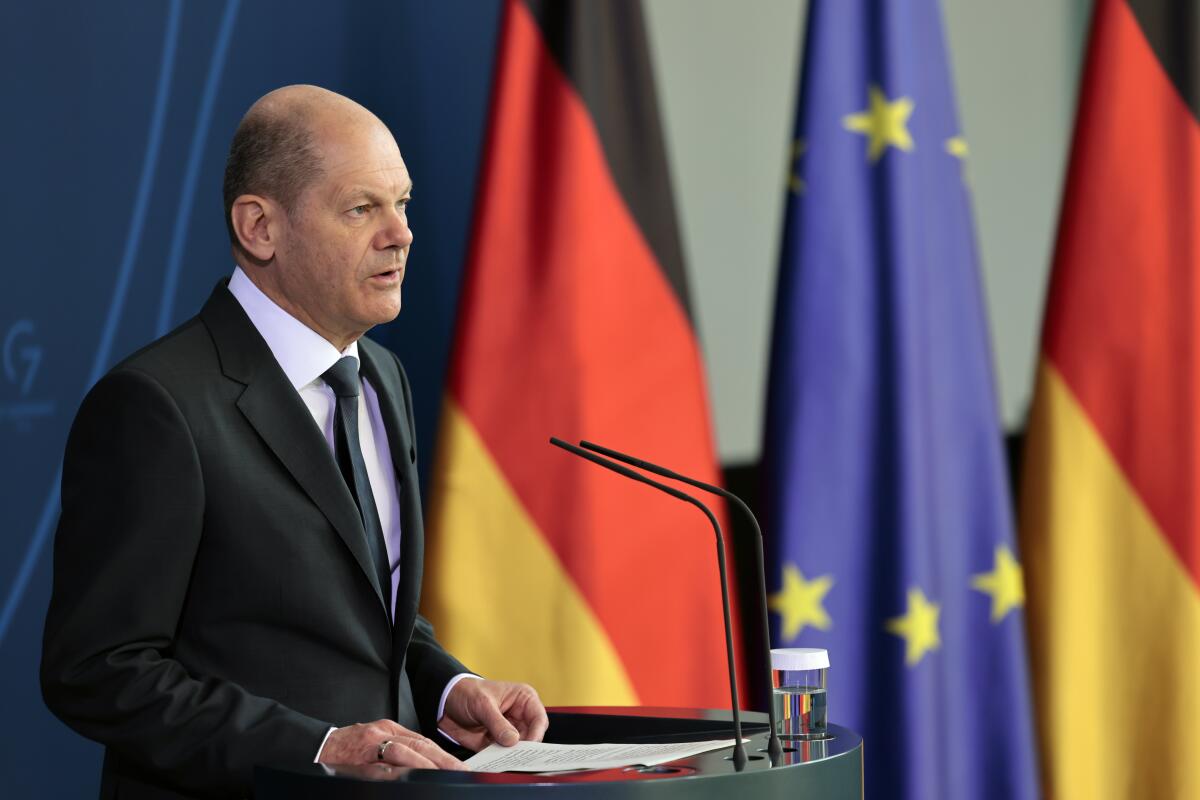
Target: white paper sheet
542,757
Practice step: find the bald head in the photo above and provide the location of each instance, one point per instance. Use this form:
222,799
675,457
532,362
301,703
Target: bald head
316,199
277,150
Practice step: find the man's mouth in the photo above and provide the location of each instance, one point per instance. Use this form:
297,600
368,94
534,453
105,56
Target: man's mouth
388,278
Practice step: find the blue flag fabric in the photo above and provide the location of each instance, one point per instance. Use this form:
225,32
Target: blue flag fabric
890,529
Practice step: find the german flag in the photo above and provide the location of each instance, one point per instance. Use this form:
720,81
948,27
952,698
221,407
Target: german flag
1111,494
574,321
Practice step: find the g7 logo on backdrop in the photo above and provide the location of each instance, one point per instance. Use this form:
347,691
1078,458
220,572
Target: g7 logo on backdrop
21,360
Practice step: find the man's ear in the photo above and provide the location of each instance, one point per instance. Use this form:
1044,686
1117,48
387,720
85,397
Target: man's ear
256,221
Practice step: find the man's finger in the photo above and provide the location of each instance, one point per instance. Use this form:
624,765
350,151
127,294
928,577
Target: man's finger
529,715
474,742
538,726
499,728
437,755
402,754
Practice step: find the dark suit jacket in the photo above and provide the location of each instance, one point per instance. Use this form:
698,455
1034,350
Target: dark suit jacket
214,604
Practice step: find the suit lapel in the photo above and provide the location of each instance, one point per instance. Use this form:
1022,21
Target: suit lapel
273,407
380,370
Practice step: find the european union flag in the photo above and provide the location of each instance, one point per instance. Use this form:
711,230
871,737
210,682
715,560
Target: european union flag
891,527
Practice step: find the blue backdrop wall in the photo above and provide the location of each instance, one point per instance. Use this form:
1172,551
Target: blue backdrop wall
116,124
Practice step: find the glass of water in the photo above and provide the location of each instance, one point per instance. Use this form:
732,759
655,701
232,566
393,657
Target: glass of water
798,684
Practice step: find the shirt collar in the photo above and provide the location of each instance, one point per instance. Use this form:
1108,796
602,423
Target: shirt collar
303,353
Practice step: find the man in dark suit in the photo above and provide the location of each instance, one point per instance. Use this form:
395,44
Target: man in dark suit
238,562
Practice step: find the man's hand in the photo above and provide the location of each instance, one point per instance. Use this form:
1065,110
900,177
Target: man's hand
363,744
480,712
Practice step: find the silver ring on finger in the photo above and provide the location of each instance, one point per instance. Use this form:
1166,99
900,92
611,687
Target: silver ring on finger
383,746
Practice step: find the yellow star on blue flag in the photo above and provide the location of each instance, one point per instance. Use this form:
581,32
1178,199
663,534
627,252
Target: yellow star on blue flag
918,627
884,122
1005,584
801,602
795,182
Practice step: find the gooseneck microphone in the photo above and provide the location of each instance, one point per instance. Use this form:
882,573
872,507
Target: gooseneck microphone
739,749
774,747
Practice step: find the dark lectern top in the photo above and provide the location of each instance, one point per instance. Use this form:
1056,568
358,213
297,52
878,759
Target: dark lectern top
831,768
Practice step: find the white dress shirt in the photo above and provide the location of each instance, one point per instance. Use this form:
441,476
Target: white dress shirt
304,356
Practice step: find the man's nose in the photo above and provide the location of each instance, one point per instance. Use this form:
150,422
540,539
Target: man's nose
395,231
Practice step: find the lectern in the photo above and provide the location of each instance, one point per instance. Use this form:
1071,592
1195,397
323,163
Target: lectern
829,769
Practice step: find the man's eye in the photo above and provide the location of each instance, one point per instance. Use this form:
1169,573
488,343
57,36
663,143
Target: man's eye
359,211
403,204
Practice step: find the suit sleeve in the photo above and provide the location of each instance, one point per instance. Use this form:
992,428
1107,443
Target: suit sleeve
132,516
430,667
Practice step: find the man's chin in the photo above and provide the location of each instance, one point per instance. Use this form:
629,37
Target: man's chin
385,309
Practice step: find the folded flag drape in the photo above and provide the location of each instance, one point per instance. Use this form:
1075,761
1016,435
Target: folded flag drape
888,509
574,321
1110,525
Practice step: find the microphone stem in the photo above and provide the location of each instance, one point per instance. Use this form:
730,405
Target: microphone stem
774,746
739,749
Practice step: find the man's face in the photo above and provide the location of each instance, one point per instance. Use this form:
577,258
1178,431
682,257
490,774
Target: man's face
343,257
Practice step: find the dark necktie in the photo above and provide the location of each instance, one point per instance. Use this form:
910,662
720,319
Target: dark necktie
342,377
